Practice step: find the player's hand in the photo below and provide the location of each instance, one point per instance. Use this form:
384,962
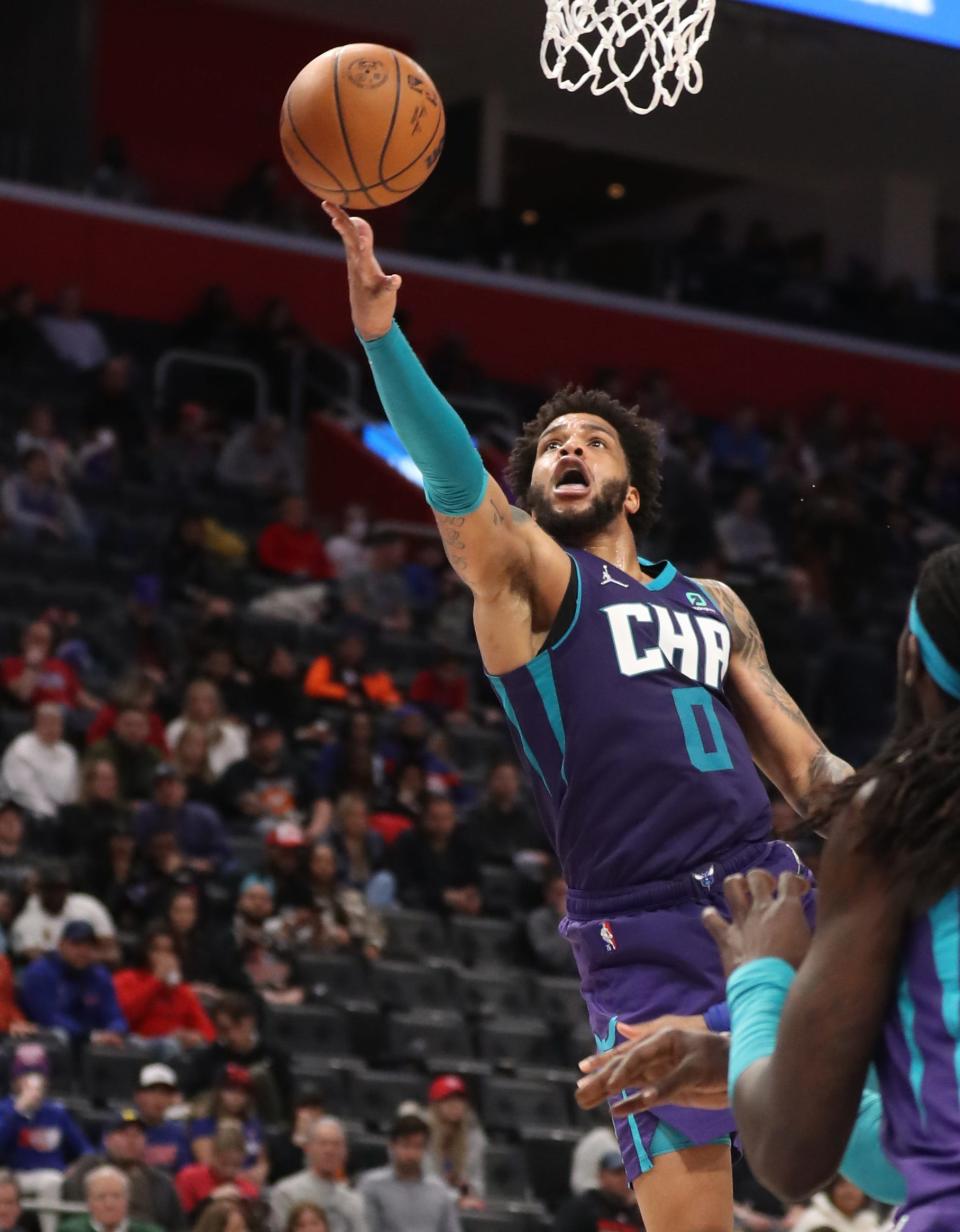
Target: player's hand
673,1066
767,919
373,294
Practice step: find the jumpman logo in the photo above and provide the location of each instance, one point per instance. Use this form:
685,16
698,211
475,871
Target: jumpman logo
606,579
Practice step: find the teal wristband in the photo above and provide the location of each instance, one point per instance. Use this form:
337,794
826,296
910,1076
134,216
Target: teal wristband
756,993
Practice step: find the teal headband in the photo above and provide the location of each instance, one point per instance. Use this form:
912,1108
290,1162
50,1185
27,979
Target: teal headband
941,672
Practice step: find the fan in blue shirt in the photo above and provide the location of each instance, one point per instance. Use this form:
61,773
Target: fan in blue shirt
35,1132
68,988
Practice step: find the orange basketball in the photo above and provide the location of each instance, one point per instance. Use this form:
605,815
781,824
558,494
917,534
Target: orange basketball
362,126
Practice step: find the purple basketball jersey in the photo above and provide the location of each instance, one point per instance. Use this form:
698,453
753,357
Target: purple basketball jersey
640,769
918,1064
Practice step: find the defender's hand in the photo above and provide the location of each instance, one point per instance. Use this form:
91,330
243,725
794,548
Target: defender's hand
373,294
762,925
674,1066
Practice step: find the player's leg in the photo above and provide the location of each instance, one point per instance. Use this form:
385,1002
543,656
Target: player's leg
688,1191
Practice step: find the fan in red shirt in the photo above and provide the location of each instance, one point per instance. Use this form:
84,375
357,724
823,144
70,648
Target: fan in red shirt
291,547
443,690
35,676
154,998
222,1177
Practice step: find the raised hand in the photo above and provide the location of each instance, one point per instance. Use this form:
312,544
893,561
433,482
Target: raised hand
767,919
373,294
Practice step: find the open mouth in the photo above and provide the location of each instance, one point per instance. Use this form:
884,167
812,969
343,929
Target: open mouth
572,479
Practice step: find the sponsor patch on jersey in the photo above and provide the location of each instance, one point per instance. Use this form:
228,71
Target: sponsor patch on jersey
607,937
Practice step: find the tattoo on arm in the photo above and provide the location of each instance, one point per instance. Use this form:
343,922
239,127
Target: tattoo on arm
498,518
453,542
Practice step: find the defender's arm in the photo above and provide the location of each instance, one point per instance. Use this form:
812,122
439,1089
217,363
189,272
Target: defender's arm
784,745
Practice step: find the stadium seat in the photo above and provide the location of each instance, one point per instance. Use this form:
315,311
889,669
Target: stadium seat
413,935
500,890
561,1001
338,975
366,1151
516,1040
406,985
378,1093
419,1034
506,1172
492,1221
318,1029
484,943
334,1078
486,993
578,1042
548,1153
508,1104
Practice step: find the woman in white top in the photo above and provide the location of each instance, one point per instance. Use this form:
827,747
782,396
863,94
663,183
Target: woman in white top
202,706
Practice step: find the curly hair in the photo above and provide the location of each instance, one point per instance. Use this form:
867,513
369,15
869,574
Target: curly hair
639,437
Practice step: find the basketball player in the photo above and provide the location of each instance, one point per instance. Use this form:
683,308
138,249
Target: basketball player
638,698
881,979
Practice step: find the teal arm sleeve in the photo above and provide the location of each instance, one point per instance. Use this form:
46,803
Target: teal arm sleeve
434,435
864,1162
756,993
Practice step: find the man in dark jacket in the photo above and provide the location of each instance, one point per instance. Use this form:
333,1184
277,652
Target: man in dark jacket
435,865
239,1042
198,830
503,824
608,1206
68,988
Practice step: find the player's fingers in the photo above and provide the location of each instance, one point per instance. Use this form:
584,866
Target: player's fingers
717,927
762,886
791,885
737,893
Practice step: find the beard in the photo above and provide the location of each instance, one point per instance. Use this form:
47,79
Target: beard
575,528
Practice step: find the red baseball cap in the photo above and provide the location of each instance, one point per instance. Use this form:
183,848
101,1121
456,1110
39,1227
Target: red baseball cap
445,1086
286,834
234,1075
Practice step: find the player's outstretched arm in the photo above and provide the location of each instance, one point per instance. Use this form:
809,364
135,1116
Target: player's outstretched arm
517,573
784,745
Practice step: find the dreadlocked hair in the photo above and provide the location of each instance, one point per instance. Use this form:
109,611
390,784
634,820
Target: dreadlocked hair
908,798
639,437
938,601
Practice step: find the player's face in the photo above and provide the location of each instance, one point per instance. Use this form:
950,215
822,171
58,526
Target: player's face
580,482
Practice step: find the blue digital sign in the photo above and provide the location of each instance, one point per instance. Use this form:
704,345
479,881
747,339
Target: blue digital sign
932,21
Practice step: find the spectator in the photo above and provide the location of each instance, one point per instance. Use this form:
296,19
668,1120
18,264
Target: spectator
259,461
196,829
277,690
342,918
209,962
17,864
138,691
347,677
233,1104
746,539
551,951
155,1001
151,1194
40,432
346,550
502,827
226,741
21,339
137,636
286,867
226,1216
610,1204
401,1195
320,1182
352,762
222,1177
381,594
435,866
239,1042
186,460
458,1145
70,990
39,768
291,547
166,1145
12,1019
588,1152
361,853
86,827
443,691
286,1154
107,1193
191,759
214,325
38,1137
13,1218
842,1207
36,675
127,747
267,941
307,1217
739,450
74,338
114,406
267,786
47,912
118,876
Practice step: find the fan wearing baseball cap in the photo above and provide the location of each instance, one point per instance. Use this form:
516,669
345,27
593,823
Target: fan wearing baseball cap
157,1092
458,1146
70,989
234,1103
608,1205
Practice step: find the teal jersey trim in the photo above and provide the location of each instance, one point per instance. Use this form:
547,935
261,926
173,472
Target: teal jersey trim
541,669
511,714
908,1013
576,611
604,1045
945,923
663,578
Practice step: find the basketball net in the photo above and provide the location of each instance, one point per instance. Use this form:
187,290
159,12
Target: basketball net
622,44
